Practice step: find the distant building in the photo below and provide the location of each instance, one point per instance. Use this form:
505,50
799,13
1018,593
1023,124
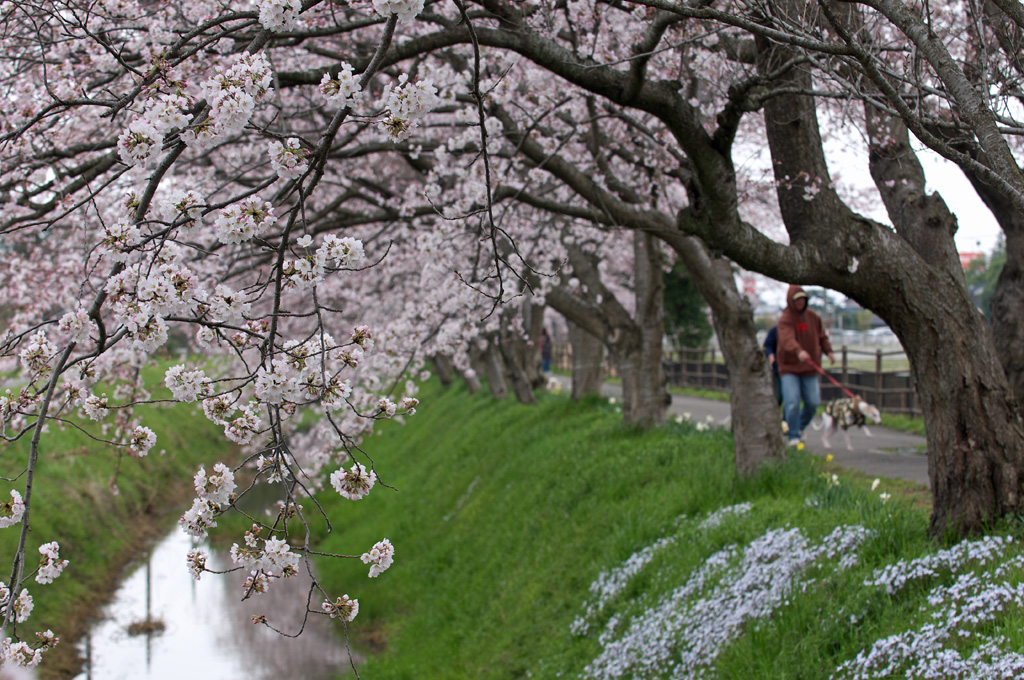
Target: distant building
967,258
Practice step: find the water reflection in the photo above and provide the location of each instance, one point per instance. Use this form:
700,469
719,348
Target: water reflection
207,629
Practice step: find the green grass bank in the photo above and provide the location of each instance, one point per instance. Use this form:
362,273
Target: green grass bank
546,542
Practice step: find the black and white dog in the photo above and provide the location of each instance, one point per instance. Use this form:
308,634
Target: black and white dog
844,413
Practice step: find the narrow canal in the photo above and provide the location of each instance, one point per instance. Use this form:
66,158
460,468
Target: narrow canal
204,628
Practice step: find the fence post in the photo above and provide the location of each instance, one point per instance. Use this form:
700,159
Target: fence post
711,370
878,379
844,366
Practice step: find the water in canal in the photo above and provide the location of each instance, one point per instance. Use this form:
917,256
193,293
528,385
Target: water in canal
207,629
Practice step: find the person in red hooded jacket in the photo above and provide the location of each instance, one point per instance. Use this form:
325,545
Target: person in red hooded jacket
802,340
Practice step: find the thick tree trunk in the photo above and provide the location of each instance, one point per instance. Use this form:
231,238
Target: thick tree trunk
1008,312
518,355
534,316
472,380
495,369
443,369
587,362
975,456
638,354
756,420
958,381
643,383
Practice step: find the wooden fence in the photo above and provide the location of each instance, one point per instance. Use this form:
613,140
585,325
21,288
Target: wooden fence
891,391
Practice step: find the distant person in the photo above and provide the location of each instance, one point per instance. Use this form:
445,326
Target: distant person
801,342
771,350
545,351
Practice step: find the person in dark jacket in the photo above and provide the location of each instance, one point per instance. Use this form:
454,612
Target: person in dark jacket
801,342
771,349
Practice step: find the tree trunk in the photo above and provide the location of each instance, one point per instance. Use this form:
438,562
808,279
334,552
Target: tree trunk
443,369
1008,312
638,354
533,315
517,355
975,457
756,420
495,367
472,380
587,362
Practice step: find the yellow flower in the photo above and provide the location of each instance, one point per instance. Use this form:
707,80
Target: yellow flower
828,458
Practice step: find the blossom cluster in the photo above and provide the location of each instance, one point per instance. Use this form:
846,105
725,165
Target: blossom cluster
11,511
76,326
182,207
50,564
187,385
342,608
406,10
140,441
341,91
405,104
196,562
274,559
277,15
213,493
288,159
139,142
232,97
243,220
354,483
38,353
22,606
379,557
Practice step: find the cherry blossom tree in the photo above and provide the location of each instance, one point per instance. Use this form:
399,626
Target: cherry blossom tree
323,195
156,180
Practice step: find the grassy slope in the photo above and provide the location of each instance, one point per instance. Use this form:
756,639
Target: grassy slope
98,531
505,514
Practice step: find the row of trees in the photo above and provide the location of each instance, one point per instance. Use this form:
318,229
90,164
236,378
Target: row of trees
325,194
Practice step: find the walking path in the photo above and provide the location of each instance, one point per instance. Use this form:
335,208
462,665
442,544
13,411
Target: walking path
889,453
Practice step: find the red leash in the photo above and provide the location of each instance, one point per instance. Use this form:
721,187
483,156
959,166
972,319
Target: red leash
834,381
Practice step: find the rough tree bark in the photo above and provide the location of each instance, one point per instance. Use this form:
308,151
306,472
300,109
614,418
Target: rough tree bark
755,413
533,313
587,362
637,351
443,369
516,355
495,369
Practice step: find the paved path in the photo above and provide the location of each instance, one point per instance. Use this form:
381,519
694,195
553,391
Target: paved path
889,453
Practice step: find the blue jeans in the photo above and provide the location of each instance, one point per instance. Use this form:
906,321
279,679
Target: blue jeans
794,389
